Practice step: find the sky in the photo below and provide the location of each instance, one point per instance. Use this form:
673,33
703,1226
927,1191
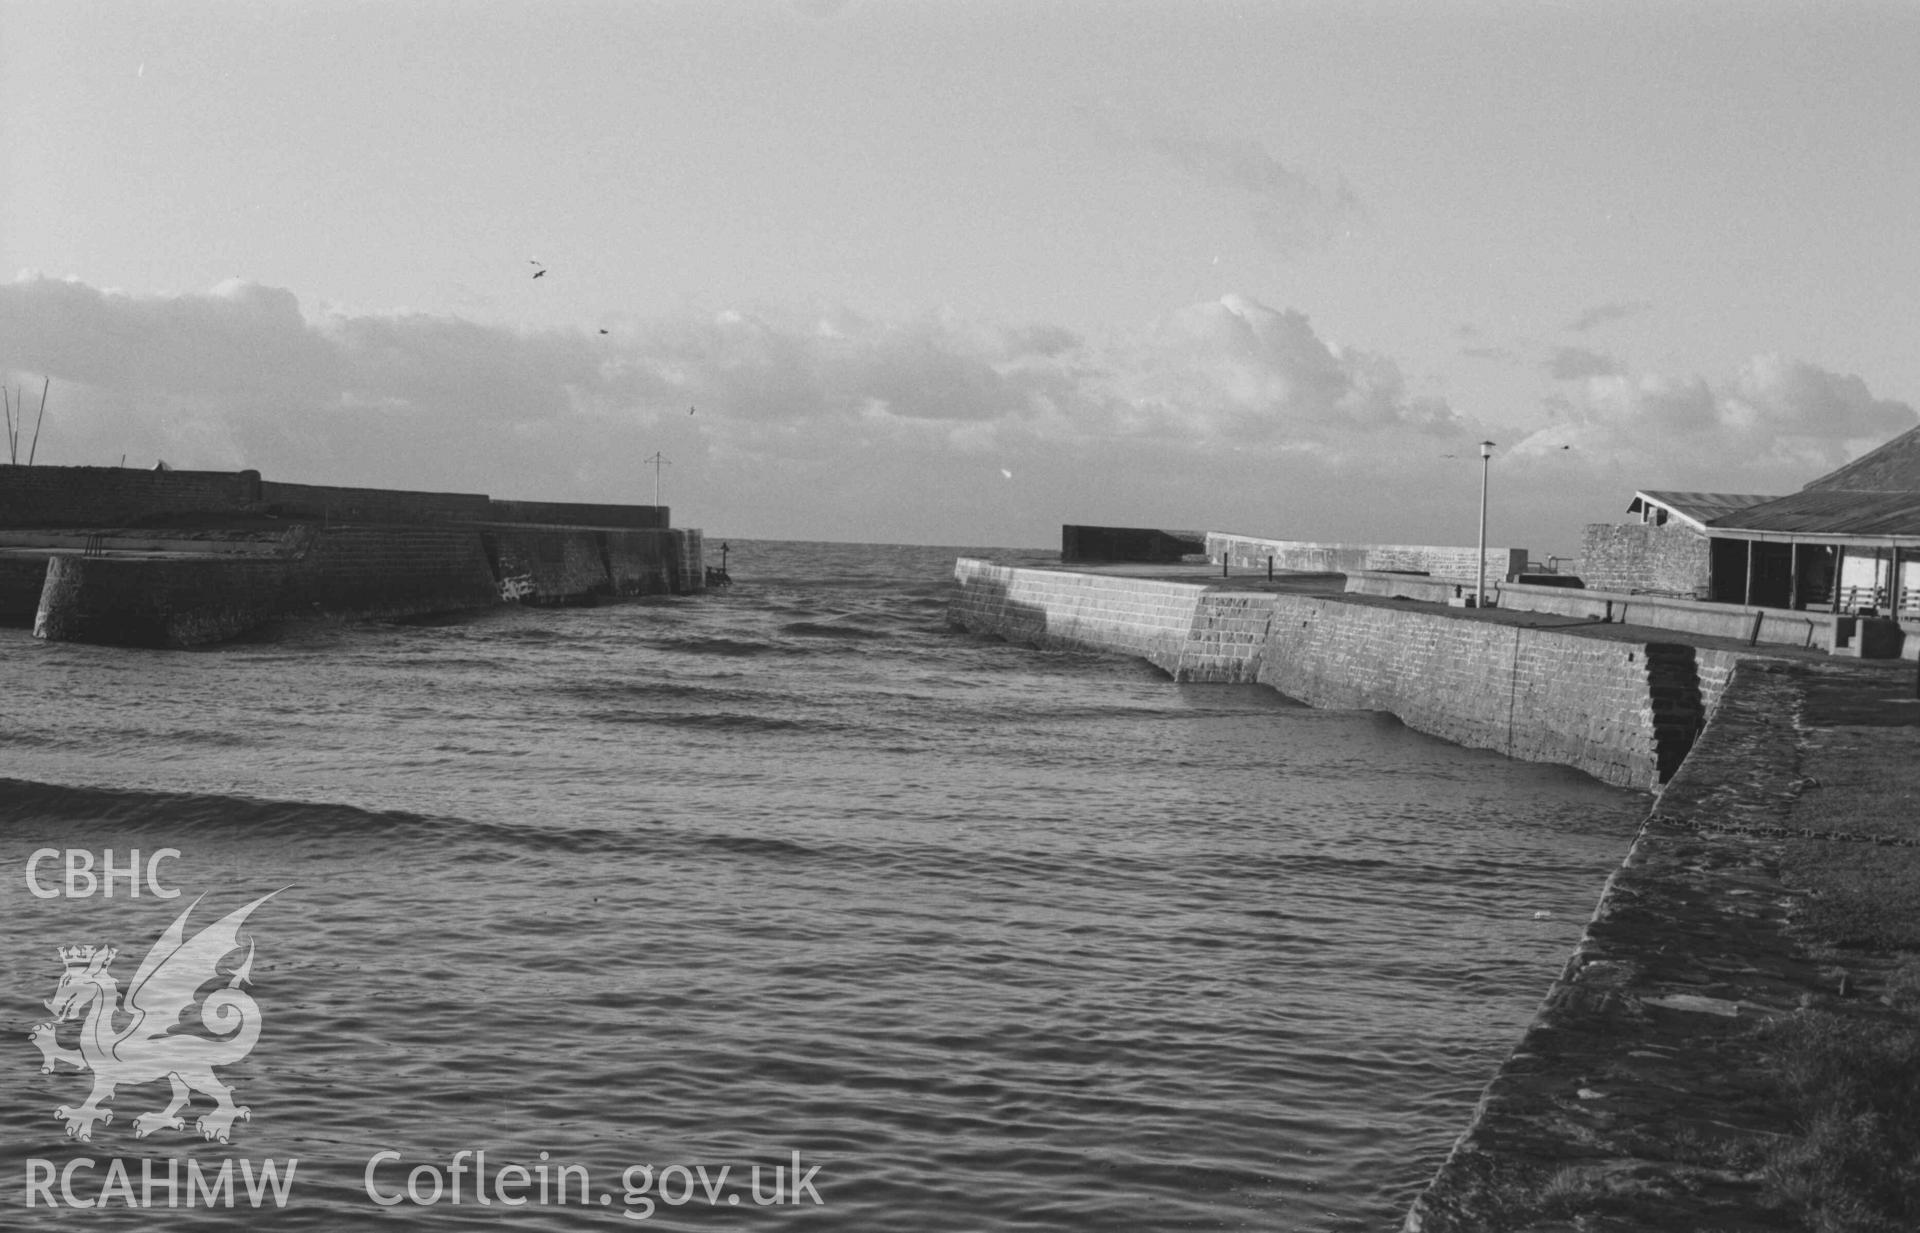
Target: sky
958,273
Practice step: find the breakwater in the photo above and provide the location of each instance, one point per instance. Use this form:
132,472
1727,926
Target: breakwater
1623,707
97,554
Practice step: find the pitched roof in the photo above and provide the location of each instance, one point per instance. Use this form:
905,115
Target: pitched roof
1830,512
1894,467
1698,508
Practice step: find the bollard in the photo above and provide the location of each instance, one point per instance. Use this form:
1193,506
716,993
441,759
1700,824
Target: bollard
1223,565
1269,569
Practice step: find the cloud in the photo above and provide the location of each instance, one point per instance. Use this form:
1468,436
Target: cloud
248,357
1574,363
839,417
823,422
1776,423
1237,365
1289,209
1600,314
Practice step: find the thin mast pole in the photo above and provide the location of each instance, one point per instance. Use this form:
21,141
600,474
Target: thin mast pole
36,422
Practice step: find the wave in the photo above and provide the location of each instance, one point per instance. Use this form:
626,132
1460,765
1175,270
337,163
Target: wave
724,721
714,646
653,691
822,629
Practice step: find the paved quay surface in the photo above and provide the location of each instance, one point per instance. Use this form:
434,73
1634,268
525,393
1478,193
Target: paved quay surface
1650,1093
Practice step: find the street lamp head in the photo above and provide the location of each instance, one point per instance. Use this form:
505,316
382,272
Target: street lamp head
1486,449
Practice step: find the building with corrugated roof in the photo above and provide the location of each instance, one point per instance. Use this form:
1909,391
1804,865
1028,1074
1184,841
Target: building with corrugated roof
1847,542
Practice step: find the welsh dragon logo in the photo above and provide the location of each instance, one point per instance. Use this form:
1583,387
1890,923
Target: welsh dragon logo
168,1028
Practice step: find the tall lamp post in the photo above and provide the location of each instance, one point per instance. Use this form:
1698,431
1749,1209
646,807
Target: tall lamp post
1486,461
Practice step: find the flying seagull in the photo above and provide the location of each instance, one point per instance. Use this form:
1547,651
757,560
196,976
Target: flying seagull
603,331
539,273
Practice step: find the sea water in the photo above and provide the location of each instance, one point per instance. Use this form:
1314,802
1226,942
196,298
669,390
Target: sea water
785,905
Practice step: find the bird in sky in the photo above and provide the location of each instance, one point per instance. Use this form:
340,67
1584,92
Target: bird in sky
539,273
689,410
603,331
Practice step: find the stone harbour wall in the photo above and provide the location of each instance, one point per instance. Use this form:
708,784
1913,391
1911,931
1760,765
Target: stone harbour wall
380,571
1532,694
1227,639
180,558
540,566
133,601
1090,611
386,505
1623,711
1300,556
341,571
105,496
686,560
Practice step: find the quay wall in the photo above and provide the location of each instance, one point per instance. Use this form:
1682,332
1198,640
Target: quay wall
1250,552
1089,611
133,601
1625,712
180,558
54,496
341,571
389,571
108,496
686,560
386,505
579,514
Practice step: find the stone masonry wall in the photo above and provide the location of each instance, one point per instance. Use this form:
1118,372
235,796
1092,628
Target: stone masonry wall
548,566
1248,552
370,504
1228,638
1528,693
389,571
638,562
689,562
1095,611
1623,711
109,496
579,514
157,602
1665,560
